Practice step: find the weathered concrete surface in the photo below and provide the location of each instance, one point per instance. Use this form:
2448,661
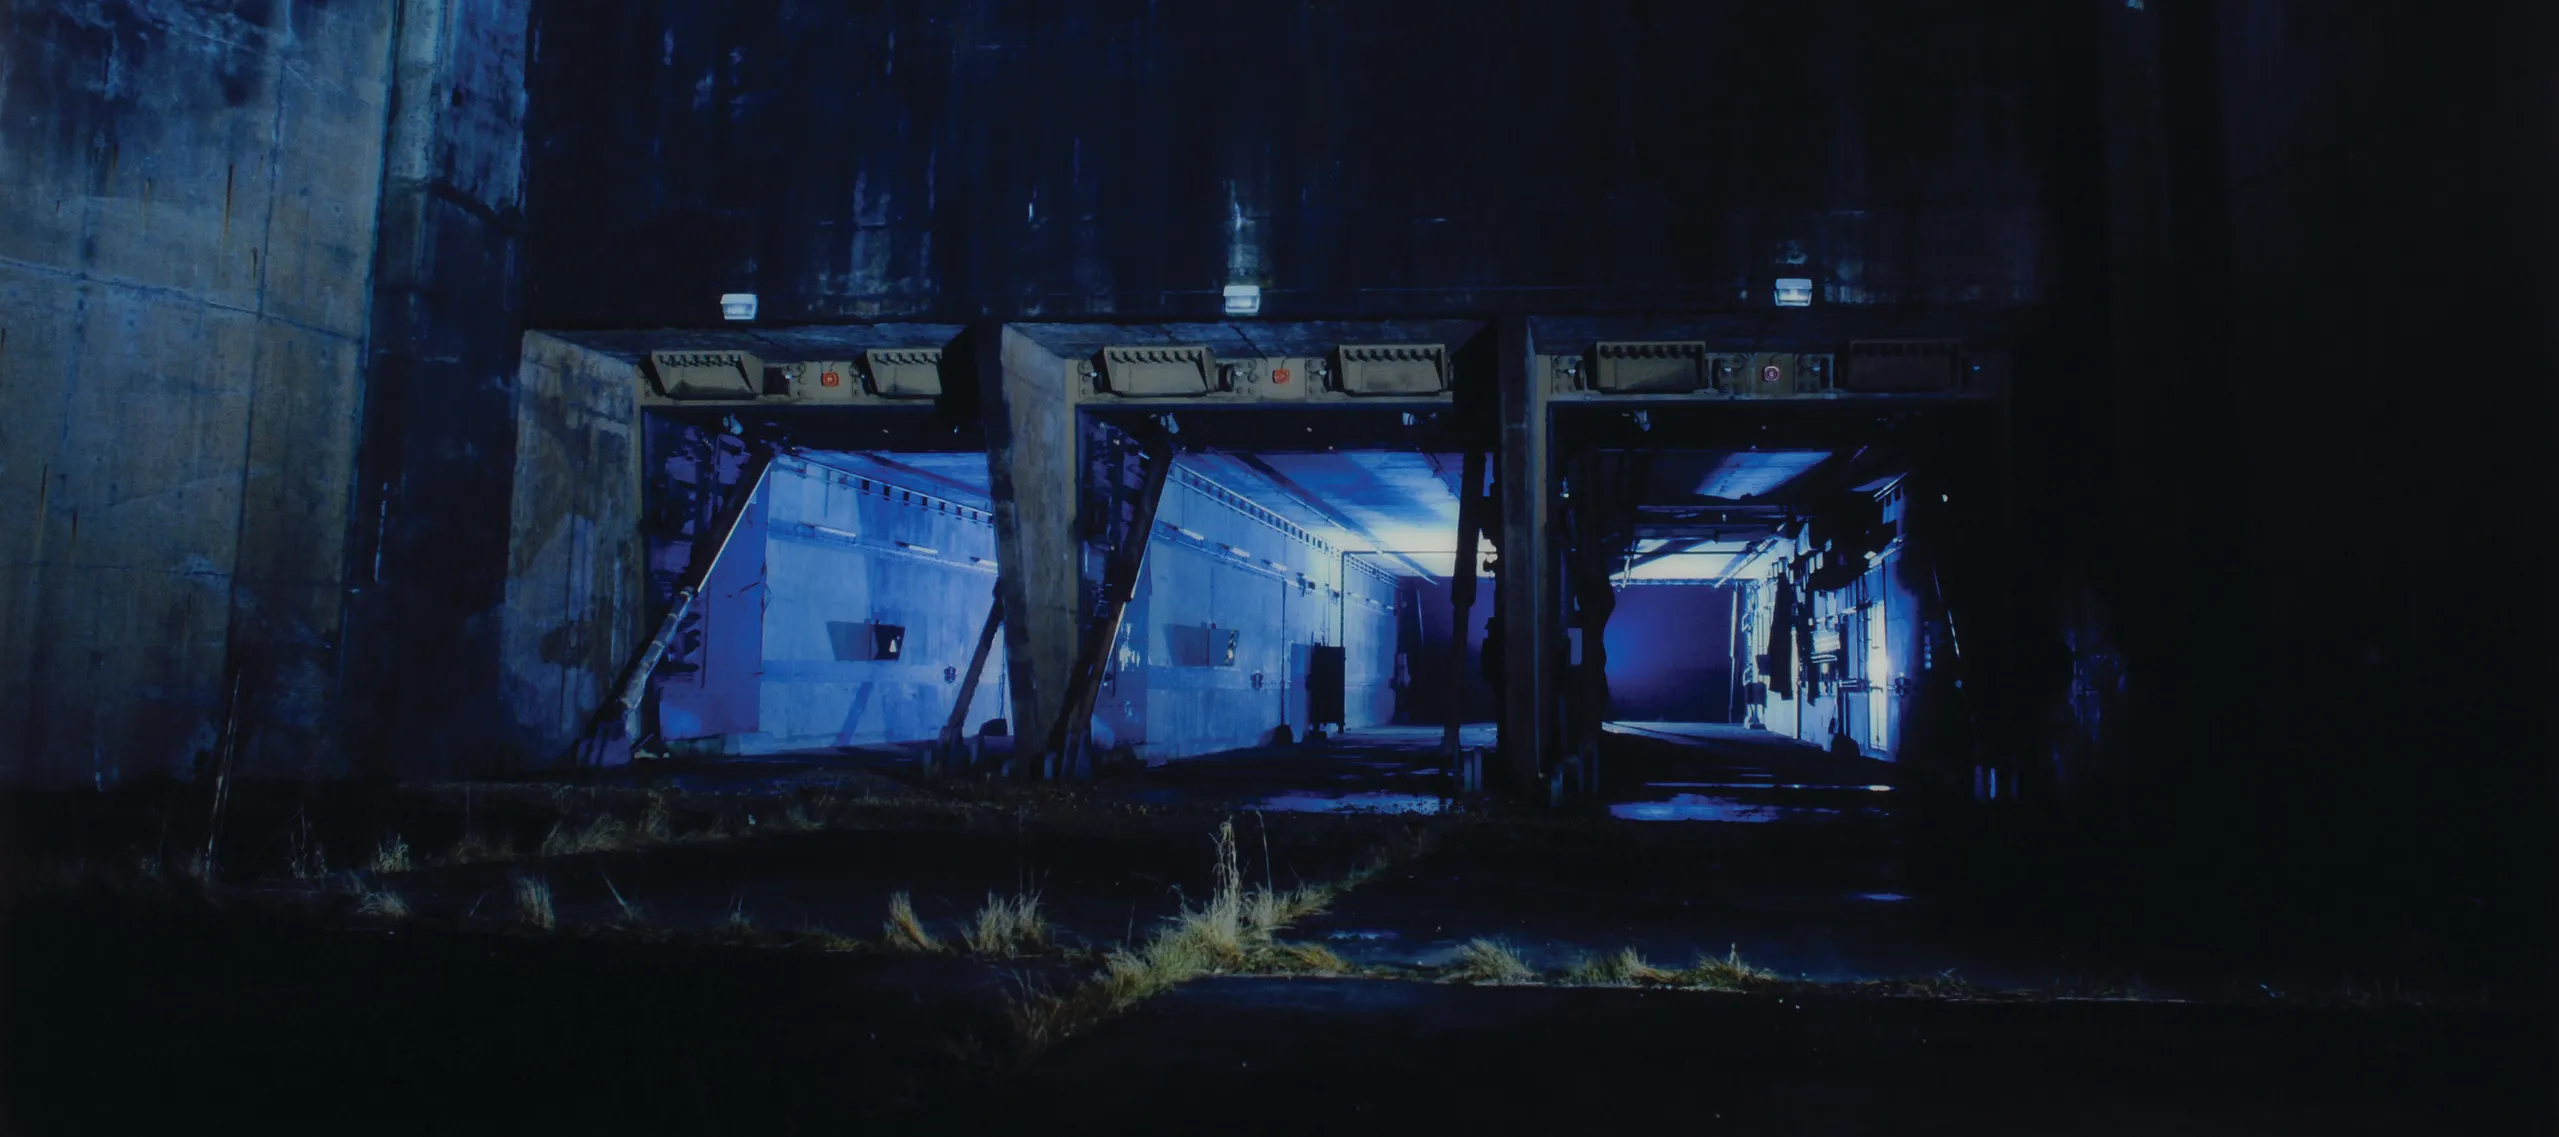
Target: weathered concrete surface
576,580
1031,467
185,257
432,540
1080,158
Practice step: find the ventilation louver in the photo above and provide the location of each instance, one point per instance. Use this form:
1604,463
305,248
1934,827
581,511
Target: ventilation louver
1159,371
1628,367
1394,369
707,374
905,373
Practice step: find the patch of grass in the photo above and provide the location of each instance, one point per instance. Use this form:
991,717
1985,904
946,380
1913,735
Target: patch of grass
1231,931
381,903
1728,973
533,903
476,847
1491,961
627,915
1310,959
1943,985
1624,967
306,859
1009,926
903,932
657,820
392,855
602,835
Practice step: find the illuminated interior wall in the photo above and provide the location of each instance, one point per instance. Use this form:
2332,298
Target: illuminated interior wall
785,655
1211,569
1666,653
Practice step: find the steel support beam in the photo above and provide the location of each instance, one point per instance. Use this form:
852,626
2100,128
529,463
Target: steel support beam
948,747
621,714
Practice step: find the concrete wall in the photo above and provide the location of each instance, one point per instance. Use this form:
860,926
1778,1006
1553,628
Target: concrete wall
186,250
576,583
1669,653
1085,157
422,656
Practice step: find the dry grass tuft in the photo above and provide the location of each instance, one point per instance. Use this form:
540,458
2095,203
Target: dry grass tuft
382,903
1009,927
533,903
475,847
903,932
1310,959
1726,974
657,820
392,855
1622,968
1229,932
627,915
603,835
1491,961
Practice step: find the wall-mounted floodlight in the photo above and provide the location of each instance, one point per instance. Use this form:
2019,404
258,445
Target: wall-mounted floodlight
911,547
1243,299
1794,292
737,305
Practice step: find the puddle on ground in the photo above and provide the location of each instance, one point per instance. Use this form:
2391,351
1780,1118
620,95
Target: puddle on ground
1366,802
1759,786
1702,807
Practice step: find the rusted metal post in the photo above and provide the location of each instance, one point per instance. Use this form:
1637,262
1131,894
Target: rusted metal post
1461,591
623,711
1071,735
948,749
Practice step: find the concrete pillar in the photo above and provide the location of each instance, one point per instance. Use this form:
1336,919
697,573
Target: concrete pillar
1526,573
1029,396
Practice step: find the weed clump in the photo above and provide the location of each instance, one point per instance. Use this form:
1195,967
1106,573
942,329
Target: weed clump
381,903
392,855
1009,926
903,932
533,903
1491,961
1726,974
1624,967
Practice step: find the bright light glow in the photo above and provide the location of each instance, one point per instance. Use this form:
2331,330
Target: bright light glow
1794,292
737,305
913,547
847,534
1243,299
1239,552
1192,534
